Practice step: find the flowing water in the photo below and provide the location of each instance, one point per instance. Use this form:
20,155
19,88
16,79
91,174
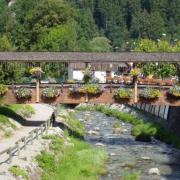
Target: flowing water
128,155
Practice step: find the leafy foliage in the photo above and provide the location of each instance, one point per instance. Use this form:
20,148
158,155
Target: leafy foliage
150,93
17,171
3,89
175,91
50,92
23,93
124,93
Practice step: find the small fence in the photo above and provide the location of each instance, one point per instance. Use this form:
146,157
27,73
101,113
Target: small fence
22,143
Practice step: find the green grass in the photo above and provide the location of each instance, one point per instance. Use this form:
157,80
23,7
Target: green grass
74,124
17,171
131,176
4,121
78,162
140,127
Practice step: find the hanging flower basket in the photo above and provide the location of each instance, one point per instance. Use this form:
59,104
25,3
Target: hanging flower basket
150,94
174,92
3,89
92,89
23,93
50,93
36,72
123,93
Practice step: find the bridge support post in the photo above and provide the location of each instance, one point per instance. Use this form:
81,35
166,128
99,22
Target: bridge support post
135,91
37,90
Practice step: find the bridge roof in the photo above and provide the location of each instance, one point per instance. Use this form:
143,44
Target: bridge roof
85,57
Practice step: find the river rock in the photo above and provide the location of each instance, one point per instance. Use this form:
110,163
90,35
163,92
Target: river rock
117,131
112,154
100,144
96,128
146,158
154,171
91,132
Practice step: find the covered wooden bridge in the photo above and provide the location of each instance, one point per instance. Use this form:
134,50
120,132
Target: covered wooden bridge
107,96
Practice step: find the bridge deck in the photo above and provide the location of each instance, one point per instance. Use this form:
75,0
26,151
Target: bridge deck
107,96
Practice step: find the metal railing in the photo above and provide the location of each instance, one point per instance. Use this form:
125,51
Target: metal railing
22,143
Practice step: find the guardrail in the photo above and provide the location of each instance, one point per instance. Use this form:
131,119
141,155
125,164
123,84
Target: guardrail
26,140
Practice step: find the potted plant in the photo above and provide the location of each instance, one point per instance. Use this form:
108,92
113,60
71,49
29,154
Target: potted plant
150,94
174,92
135,73
123,93
50,93
88,76
3,89
93,89
36,72
23,93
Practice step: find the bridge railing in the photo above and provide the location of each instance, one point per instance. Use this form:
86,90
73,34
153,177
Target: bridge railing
22,143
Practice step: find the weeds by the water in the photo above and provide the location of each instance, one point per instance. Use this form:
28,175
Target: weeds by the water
131,176
19,172
77,162
141,129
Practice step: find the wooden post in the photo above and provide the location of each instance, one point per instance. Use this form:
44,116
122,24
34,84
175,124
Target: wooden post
111,87
37,133
18,148
37,90
25,143
62,88
135,90
86,98
10,155
31,134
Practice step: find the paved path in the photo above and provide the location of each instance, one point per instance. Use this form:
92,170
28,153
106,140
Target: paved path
43,113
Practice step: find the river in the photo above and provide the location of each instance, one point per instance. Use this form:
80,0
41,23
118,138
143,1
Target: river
128,155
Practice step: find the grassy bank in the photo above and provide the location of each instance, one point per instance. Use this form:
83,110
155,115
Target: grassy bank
77,162
141,129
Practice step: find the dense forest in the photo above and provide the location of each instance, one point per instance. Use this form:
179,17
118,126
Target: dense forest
86,25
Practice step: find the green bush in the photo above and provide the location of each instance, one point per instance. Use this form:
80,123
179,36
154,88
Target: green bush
144,132
3,89
23,93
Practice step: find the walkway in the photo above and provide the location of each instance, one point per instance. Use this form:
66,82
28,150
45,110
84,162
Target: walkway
43,113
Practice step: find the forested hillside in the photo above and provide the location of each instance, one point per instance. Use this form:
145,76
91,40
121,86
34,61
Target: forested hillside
86,25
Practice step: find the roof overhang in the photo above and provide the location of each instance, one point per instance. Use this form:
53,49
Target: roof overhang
85,57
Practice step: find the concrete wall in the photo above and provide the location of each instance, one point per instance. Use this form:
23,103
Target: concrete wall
159,111
174,119
168,116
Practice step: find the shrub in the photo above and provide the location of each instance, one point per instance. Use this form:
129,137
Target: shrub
27,111
175,91
23,93
144,132
150,93
50,92
123,93
3,89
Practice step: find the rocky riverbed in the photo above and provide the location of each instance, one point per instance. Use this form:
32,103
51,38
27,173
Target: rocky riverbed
153,161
